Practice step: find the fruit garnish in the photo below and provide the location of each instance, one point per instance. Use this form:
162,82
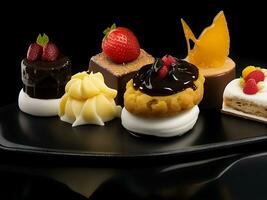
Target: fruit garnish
252,76
50,52
264,71
260,85
34,52
241,82
257,75
250,87
248,70
163,71
168,60
42,49
212,47
120,44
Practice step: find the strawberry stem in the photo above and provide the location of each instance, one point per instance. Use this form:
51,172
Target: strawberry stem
108,29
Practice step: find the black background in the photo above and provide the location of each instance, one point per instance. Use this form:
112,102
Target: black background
77,28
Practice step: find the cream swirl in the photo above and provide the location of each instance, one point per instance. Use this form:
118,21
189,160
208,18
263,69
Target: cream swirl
88,100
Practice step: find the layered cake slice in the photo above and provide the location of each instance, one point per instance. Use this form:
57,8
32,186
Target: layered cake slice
247,97
121,58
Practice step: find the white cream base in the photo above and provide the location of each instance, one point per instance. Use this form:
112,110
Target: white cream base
160,127
38,107
228,110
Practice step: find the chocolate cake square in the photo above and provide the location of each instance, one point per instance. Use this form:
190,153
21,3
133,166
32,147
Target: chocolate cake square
117,75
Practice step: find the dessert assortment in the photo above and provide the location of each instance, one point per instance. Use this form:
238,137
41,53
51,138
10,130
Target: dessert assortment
247,96
162,98
120,60
45,72
210,55
88,100
159,96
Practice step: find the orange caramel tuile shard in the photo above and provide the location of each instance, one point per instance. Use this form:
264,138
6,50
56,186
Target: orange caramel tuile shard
212,47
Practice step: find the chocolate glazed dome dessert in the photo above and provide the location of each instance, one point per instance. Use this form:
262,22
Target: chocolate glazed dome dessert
162,98
44,72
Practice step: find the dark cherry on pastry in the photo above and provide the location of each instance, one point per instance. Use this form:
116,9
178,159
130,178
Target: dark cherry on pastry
45,71
166,76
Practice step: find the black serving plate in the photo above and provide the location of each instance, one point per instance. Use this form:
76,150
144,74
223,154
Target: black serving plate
213,131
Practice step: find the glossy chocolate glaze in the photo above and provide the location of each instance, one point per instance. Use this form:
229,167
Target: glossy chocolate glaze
45,80
181,76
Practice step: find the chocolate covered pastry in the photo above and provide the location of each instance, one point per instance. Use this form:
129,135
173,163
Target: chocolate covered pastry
45,80
44,74
161,100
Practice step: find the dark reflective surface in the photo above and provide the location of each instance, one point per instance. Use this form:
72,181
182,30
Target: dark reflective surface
20,186
226,178
184,181
212,131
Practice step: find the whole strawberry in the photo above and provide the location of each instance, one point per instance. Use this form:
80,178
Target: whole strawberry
50,52
34,52
120,44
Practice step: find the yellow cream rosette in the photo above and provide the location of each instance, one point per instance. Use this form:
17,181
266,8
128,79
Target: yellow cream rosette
87,100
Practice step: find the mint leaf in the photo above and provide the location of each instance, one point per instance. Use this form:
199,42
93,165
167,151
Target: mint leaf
42,40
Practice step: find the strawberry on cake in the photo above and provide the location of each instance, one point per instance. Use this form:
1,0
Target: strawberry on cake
120,59
247,96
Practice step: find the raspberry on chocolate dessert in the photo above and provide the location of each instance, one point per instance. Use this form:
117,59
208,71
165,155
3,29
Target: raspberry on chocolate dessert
44,72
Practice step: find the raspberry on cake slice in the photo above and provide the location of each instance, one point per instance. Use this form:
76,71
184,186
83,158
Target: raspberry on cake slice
247,96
